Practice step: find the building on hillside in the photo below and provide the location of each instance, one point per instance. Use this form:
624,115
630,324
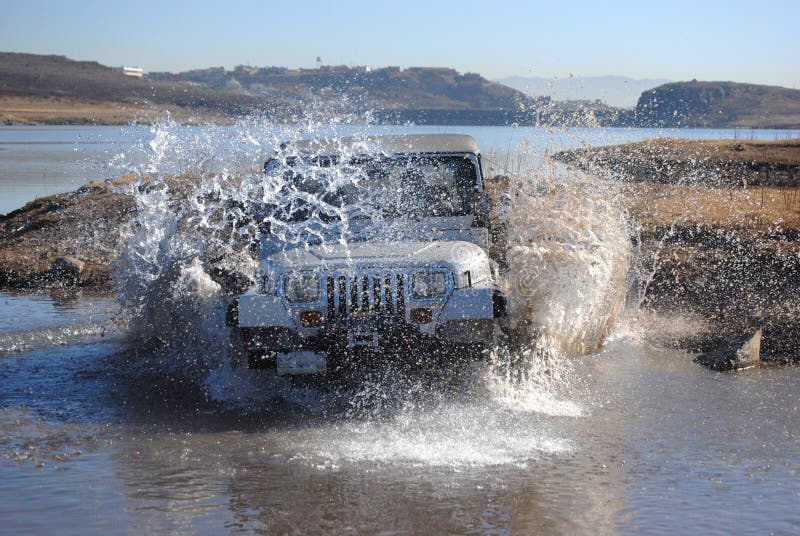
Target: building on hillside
136,72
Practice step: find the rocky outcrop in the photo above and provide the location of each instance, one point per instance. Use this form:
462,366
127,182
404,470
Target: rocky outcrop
735,353
64,239
718,105
707,162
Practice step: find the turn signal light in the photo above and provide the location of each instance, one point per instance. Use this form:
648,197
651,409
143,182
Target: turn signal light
421,315
311,319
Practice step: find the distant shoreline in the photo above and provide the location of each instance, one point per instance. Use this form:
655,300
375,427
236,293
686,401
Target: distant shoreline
48,111
33,111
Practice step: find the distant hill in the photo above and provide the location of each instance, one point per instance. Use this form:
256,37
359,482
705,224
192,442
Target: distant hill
55,89
619,91
391,94
719,105
423,95
33,75
388,88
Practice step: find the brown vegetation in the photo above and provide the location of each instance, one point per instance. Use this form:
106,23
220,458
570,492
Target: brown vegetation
757,209
16,110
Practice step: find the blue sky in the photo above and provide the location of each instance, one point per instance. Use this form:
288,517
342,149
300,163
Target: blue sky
743,41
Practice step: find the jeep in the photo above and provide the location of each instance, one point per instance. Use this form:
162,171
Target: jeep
394,261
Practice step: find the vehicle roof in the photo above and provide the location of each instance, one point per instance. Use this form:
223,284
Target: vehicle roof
393,144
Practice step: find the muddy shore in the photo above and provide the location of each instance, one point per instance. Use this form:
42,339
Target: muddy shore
731,163
82,226
719,224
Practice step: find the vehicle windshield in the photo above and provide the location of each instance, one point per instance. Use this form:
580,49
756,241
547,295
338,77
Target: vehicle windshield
397,186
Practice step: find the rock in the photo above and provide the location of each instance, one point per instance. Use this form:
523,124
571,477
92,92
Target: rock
734,353
66,268
69,270
39,240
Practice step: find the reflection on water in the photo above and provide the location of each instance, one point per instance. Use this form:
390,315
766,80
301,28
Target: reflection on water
657,445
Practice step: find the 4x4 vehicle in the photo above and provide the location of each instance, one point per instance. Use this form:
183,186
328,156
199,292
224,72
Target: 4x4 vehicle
406,266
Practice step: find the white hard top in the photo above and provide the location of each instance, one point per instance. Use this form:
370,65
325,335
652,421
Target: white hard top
396,144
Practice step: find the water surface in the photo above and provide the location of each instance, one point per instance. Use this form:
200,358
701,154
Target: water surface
41,161
642,441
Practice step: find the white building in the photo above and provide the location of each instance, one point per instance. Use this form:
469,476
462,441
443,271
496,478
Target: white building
136,72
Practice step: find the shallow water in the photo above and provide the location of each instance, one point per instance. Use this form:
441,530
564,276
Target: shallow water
640,441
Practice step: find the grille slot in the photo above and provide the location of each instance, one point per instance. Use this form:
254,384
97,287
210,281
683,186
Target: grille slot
369,293
331,294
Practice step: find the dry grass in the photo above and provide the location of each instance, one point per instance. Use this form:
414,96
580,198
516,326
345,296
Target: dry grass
759,208
669,149
68,111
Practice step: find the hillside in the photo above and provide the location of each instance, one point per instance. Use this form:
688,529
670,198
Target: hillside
719,105
37,89
391,88
60,79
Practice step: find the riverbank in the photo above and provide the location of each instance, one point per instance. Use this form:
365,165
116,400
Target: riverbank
719,227
81,227
734,163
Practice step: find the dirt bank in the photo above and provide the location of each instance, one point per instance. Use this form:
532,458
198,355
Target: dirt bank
720,229
82,225
708,162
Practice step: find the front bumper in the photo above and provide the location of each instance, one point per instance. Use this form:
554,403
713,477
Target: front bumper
381,334
268,325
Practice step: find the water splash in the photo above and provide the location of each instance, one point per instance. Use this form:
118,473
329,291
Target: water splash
189,251
569,258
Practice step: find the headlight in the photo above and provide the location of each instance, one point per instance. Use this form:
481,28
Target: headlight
302,287
429,284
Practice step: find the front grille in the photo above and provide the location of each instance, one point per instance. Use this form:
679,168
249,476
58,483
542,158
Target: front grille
365,293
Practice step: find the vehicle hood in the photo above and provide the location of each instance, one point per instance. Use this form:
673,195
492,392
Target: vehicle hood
458,256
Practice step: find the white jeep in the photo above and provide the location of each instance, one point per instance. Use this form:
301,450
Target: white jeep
394,260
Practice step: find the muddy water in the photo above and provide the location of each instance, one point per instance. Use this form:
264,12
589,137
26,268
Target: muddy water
94,437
